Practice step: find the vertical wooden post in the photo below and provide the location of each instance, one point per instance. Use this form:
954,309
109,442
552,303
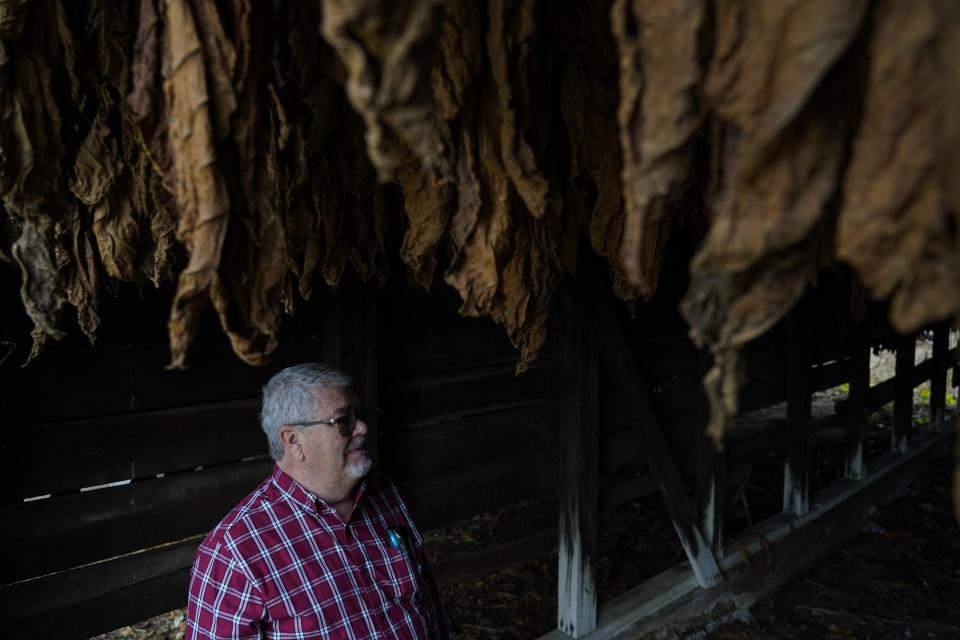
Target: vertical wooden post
711,477
579,462
796,498
903,394
938,380
855,466
619,361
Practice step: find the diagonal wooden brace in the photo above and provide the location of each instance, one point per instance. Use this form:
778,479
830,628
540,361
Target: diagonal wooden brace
616,355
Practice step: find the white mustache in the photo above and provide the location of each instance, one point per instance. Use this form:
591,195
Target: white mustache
359,443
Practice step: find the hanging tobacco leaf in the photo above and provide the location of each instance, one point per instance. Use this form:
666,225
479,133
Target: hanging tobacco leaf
778,140
897,228
659,44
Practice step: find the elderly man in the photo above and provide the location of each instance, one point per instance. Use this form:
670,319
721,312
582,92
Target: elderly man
322,548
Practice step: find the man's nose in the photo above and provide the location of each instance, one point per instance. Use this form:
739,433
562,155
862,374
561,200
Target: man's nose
361,428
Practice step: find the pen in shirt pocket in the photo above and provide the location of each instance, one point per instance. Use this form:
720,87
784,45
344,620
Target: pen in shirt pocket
397,538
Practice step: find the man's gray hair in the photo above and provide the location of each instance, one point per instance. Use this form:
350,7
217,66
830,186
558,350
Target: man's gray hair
289,397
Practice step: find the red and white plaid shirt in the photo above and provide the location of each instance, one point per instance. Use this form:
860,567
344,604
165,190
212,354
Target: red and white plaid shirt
283,564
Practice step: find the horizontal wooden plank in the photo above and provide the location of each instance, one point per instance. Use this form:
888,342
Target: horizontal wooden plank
882,393
765,392
442,501
419,400
101,381
441,448
405,304
88,600
830,375
495,558
628,491
96,451
621,449
663,357
677,407
44,536
766,359
442,344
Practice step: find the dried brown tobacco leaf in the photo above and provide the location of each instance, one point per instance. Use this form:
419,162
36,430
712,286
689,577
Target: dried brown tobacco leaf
76,255
220,60
658,115
528,281
480,228
146,98
780,146
31,163
458,55
589,96
427,194
302,157
247,293
505,264
427,201
201,193
510,48
40,289
328,188
13,15
95,172
387,47
132,217
350,207
897,228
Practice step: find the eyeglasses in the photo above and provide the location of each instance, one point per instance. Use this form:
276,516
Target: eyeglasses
345,424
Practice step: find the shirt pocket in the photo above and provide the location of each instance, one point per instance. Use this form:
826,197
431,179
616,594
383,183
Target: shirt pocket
307,626
398,575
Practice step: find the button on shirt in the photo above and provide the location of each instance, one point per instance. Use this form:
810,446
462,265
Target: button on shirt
284,564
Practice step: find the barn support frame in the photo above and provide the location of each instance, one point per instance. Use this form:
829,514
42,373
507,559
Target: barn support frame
579,474
808,528
778,549
796,481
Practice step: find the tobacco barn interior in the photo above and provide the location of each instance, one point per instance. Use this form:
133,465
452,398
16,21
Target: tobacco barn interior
653,301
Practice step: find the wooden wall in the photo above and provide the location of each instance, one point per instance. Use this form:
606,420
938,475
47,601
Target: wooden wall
459,431
181,447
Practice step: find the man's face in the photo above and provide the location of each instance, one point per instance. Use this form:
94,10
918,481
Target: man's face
331,459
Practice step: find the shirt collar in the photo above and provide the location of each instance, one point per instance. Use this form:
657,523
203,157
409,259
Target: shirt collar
297,493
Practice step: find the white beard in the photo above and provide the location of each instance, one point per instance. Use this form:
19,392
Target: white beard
360,468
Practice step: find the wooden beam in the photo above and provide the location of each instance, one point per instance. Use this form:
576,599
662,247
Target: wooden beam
796,499
857,413
779,550
711,469
66,531
618,358
484,562
95,451
95,598
938,380
903,395
885,392
439,396
439,501
579,461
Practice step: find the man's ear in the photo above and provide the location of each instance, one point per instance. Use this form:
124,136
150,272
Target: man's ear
290,438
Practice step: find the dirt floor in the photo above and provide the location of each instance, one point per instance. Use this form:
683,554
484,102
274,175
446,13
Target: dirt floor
900,578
